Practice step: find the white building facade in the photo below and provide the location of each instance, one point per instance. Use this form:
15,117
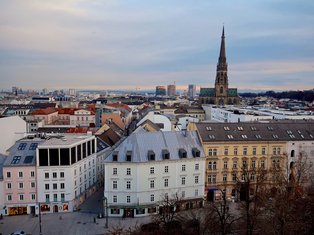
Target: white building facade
66,171
150,166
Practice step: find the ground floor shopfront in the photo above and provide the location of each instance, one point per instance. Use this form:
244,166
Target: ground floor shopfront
20,209
132,211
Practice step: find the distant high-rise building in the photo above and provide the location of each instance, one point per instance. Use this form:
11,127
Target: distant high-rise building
72,92
160,90
191,90
171,90
221,94
45,91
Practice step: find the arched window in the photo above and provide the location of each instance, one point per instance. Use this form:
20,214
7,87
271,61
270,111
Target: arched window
292,153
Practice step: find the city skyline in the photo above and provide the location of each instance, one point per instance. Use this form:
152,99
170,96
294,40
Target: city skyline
118,45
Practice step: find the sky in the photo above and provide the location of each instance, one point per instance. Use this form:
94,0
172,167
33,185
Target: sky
132,44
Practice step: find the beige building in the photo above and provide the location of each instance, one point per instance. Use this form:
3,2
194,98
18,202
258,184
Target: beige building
235,150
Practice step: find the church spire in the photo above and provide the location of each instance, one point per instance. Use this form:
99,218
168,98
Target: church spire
222,56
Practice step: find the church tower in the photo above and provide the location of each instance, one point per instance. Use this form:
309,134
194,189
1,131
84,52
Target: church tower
221,94
221,82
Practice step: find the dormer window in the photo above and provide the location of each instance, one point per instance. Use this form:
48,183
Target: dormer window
115,156
165,154
182,153
151,155
226,128
128,156
196,152
208,128
240,128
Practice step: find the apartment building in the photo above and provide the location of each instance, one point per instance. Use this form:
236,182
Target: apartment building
148,167
233,149
66,171
19,178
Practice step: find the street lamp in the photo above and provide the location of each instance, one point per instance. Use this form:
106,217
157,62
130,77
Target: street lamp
39,217
105,206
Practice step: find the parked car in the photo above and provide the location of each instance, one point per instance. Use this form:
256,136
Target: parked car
18,233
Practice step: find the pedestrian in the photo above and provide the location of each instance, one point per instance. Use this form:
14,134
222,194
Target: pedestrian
94,220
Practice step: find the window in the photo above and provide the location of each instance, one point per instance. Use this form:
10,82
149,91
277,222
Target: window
226,128
230,136
226,152
183,194
33,197
55,197
47,198
21,197
61,174
114,184
224,177
33,146
183,168
128,185
54,175
62,185
8,174
254,151
152,170
128,171
234,177
244,136
262,163
245,151
46,186
152,197
166,169
197,166
240,128
46,175
114,171
22,146
214,165
235,164
9,185
253,164
16,159
21,185
196,179
212,152
32,174
183,180
235,151
9,197
128,199
211,179
114,199
32,184
278,151
20,174
152,184
244,164
257,136
196,193
263,150
225,164
166,182
62,197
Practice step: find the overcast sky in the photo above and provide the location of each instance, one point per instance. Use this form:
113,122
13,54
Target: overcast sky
113,44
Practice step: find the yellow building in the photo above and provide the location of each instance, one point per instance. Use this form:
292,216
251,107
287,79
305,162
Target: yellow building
235,151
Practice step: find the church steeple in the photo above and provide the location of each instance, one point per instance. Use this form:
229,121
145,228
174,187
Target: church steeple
221,83
222,61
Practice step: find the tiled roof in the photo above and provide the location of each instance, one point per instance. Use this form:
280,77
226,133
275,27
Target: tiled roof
69,111
45,111
120,106
139,144
246,131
